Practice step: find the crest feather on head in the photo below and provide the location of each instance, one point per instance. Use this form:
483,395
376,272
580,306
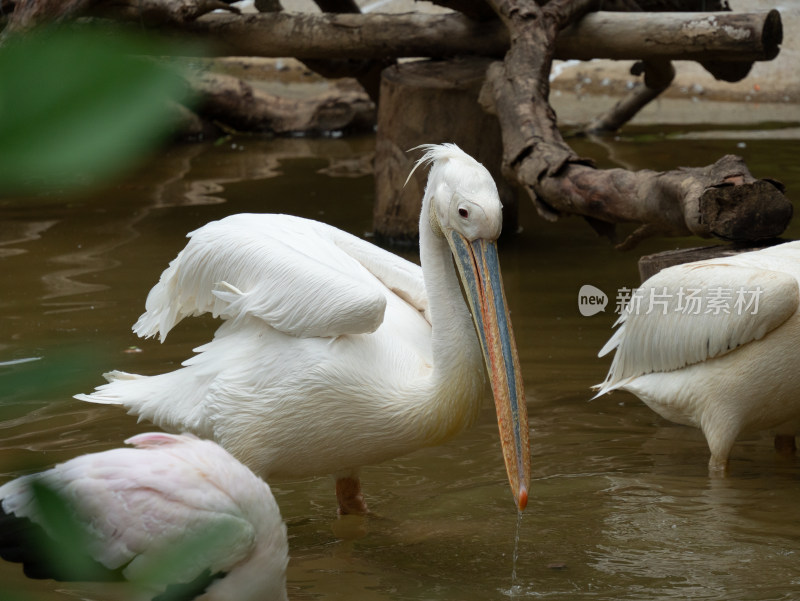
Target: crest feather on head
438,152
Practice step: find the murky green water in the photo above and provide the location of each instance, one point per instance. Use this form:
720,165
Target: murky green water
620,505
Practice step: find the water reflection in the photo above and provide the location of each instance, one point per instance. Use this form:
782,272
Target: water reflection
89,257
620,505
18,233
191,175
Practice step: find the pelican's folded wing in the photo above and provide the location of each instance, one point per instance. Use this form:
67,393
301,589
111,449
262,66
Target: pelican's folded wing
402,277
693,312
284,270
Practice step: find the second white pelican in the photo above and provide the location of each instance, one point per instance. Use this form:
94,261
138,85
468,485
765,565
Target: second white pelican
176,516
334,353
714,344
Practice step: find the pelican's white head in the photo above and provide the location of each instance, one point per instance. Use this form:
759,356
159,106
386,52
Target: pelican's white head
464,208
460,194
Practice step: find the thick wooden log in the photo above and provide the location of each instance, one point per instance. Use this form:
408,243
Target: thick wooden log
354,36
689,36
427,102
717,36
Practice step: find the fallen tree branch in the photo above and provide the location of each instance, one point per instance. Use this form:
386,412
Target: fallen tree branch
237,105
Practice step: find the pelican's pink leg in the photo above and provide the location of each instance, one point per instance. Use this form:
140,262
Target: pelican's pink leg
348,493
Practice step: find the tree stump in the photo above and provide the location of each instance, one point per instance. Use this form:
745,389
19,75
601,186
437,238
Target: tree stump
430,102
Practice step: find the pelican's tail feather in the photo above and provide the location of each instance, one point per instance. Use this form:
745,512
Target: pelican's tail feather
164,400
609,385
108,394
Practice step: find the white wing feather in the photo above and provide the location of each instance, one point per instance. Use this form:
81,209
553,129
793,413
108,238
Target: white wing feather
656,337
400,276
136,507
302,277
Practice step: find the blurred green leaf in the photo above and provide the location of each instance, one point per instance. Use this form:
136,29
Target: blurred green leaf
179,561
79,106
66,548
51,374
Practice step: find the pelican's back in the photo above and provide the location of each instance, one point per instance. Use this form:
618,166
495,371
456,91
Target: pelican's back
663,329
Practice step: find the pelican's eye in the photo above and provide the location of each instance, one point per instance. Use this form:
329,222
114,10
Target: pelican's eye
463,212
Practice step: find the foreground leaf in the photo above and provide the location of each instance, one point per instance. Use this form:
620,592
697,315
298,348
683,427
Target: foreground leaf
77,107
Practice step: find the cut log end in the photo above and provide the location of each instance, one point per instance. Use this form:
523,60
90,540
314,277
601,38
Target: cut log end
746,212
770,37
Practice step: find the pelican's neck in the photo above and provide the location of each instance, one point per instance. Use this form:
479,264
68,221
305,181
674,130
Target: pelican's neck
458,370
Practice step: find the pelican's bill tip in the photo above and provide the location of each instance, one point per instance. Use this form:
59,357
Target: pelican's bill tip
522,499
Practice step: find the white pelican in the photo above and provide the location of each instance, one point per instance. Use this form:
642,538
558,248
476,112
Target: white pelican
174,499
714,344
334,353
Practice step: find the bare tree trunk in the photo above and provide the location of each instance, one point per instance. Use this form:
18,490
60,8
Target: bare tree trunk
720,200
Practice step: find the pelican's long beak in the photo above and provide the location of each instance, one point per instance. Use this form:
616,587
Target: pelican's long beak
479,268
